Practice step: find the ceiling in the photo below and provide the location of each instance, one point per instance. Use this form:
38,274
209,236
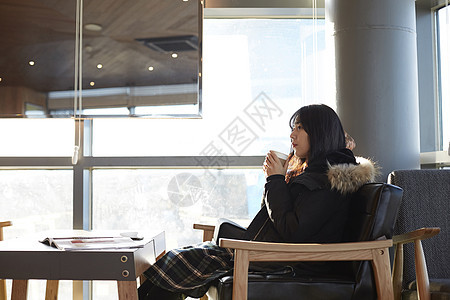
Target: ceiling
44,31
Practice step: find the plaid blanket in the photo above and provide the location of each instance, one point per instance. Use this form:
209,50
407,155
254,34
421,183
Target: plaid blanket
191,270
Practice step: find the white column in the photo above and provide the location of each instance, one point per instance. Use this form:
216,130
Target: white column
376,78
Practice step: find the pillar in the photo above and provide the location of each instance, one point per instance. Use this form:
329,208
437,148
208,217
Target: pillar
376,78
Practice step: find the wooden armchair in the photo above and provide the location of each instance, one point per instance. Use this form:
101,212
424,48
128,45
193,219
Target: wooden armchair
246,251
2,282
374,210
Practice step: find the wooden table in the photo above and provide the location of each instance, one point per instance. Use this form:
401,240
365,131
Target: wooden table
26,258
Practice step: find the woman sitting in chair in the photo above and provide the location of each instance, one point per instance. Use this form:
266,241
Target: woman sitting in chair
306,200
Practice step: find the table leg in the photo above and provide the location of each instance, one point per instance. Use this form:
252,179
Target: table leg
19,289
127,290
2,289
51,292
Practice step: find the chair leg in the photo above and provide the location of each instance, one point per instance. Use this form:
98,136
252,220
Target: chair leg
240,275
382,274
2,289
423,284
397,272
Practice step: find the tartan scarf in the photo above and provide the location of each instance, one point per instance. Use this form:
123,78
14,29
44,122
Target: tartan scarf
191,270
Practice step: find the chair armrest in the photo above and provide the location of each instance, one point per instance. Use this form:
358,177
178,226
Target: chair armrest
374,251
208,231
416,236
4,224
308,248
204,227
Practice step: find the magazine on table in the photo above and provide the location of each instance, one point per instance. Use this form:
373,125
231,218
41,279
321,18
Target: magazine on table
91,243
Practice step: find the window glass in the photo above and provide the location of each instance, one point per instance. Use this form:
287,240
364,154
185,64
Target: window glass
35,201
37,137
154,200
256,74
172,200
444,71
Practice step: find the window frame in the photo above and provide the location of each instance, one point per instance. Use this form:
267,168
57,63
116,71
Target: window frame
440,157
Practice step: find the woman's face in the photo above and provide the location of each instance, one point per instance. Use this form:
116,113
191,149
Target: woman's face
300,141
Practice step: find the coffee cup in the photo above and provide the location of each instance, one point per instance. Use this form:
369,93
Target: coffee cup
283,157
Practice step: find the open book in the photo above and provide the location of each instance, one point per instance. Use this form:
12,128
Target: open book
91,243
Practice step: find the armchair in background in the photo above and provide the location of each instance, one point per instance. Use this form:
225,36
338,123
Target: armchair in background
416,237
368,237
426,203
2,281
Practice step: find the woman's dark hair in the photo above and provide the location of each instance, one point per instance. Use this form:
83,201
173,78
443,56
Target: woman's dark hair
323,127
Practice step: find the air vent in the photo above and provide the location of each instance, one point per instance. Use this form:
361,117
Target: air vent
171,44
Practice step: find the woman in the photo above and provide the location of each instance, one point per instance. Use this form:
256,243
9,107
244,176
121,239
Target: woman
307,203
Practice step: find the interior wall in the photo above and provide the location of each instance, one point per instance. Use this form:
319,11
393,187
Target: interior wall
14,98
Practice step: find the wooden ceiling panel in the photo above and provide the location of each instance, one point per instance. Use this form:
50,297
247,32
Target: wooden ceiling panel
44,31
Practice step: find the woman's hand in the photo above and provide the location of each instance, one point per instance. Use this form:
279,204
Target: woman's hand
272,165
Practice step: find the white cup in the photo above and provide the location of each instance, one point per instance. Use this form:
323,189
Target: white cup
281,156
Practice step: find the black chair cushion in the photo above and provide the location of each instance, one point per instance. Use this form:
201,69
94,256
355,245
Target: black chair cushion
273,287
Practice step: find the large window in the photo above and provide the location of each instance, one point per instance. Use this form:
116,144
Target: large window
166,174
256,73
443,49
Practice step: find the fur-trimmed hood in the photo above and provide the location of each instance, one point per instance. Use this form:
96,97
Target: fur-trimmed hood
348,177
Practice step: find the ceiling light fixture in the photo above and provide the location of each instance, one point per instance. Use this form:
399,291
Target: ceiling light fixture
174,55
92,83
93,27
31,63
151,68
99,66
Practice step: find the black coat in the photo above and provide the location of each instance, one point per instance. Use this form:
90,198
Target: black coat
313,207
